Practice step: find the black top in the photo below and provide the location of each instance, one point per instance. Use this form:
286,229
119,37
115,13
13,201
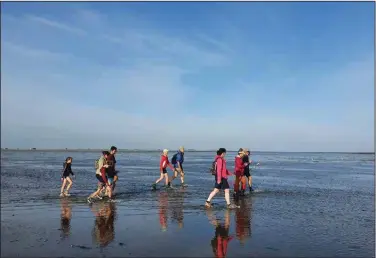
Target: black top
246,160
67,169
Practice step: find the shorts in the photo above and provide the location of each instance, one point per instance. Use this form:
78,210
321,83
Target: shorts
247,173
223,185
178,170
65,176
164,171
100,179
110,180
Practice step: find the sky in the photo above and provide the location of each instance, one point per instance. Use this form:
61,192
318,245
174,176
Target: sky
269,76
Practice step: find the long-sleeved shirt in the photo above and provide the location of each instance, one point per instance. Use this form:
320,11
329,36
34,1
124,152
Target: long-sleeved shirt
239,166
67,171
164,163
222,171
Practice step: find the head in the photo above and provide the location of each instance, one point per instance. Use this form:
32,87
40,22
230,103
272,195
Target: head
181,149
105,154
221,152
247,152
241,152
68,160
113,150
165,152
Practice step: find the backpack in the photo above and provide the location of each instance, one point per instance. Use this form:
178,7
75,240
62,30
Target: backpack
96,165
213,169
173,160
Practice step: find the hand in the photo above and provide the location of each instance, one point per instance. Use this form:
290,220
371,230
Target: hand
219,182
62,178
106,166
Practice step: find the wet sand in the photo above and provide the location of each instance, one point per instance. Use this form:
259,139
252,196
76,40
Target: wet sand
303,208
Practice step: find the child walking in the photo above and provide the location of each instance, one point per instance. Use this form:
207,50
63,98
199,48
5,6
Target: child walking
65,177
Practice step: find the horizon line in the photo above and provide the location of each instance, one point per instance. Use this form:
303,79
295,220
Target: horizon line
191,150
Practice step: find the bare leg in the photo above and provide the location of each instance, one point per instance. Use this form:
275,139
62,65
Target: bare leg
182,177
212,194
227,196
96,192
166,178
159,179
63,186
69,184
250,181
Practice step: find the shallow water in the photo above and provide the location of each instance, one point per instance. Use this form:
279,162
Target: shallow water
312,205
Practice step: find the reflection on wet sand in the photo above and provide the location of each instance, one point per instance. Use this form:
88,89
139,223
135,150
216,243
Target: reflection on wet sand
65,218
105,215
162,210
177,208
243,220
221,238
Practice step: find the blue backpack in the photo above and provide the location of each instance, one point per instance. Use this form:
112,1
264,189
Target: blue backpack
173,160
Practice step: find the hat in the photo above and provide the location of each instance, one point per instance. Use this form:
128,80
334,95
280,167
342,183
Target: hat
165,150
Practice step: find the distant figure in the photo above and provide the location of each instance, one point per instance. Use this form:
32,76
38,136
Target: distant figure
100,174
162,168
178,160
110,170
239,173
65,177
221,179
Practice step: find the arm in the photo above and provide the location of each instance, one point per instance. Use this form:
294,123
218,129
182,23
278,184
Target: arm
170,166
103,174
178,159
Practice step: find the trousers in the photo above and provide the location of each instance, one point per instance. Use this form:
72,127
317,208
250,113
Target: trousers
242,181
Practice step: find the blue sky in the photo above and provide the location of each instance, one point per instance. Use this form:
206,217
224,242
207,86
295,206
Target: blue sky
268,76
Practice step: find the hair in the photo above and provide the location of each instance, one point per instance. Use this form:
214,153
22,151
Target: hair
113,148
66,161
105,153
220,151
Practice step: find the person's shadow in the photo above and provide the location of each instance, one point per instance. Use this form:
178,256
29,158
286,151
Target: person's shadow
243,220
221,238
177,208
65,217
103,232
163,210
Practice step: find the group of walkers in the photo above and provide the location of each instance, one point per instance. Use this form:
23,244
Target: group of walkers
106,174
221,173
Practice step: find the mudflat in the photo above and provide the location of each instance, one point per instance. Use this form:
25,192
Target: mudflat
314,205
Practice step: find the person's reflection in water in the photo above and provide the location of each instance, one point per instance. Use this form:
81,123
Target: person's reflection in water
162,210
221,239
243,220
65,218
105,215
178,208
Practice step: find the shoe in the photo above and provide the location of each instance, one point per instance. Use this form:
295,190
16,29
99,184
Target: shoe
183,185
99,197
62,195
154,186
89,200
66,193
169,184
232,206
208,204
251,189
242,193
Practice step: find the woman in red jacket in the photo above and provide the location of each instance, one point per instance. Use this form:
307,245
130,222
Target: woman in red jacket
221,179
239,173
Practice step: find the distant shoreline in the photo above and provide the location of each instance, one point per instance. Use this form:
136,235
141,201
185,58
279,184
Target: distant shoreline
159,150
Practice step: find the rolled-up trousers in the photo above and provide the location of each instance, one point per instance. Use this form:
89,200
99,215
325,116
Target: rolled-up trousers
240,180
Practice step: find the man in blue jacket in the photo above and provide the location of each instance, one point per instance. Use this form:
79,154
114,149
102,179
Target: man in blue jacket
177,161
